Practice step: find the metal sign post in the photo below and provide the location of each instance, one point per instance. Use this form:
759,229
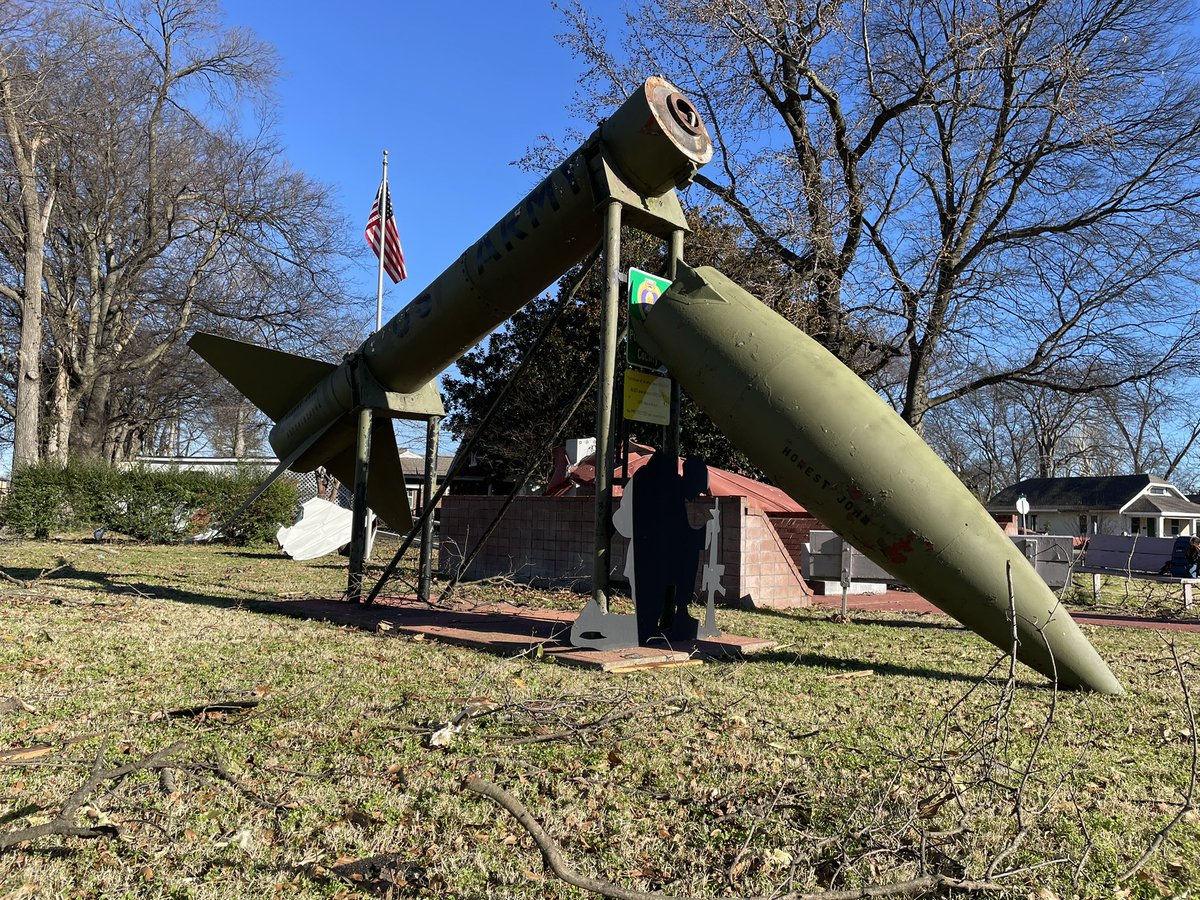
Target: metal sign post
847,575
673,431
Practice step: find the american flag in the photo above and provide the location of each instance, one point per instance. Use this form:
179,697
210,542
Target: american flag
393,256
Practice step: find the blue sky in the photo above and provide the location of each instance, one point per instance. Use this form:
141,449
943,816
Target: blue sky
454,91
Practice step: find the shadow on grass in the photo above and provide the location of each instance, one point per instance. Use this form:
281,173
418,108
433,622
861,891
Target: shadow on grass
821,615
29,574
506,626
847,668
122,586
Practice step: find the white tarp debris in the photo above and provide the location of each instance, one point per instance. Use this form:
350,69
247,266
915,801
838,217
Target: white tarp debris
323,527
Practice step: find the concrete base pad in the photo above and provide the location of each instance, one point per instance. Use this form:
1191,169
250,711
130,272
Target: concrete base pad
509,630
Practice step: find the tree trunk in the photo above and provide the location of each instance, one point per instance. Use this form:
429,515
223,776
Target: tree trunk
239,431
58,436
24,143
29,373
93,428
916,395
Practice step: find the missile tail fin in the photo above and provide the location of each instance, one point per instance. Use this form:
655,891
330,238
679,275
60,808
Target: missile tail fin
386,493
272,380
275,382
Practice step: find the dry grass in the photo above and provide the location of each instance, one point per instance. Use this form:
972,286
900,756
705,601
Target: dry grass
795,771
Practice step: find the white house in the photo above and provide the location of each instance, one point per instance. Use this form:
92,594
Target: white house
1109,504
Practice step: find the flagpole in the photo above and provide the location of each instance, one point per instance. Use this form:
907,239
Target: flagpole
382,244
360,539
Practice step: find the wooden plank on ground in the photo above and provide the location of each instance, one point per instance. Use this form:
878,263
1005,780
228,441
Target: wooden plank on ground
510,630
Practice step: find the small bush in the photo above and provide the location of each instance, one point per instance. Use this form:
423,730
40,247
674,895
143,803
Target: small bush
146,505
36,504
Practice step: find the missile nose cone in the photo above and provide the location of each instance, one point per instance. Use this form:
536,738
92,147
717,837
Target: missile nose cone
657,138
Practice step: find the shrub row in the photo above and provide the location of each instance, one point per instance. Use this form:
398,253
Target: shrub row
144,504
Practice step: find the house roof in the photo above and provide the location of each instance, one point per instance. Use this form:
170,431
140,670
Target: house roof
415,467
1094,492
1104,492
1164,506
721,483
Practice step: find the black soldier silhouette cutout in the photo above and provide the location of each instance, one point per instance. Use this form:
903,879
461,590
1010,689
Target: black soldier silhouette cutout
664,549
661,560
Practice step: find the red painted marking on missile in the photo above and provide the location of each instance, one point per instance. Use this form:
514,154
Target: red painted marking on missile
651,127
898,552
855,492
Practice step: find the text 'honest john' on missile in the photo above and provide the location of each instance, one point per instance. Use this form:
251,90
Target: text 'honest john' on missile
834,445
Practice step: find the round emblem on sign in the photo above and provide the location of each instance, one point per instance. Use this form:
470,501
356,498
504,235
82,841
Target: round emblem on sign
644,297
648,293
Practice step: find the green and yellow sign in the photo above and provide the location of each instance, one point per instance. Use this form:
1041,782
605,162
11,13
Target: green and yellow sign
644,291
647,397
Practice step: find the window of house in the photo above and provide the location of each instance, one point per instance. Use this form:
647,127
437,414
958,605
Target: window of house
1083,524
1158,490
1135,525
1174,526
1032,522
1095,524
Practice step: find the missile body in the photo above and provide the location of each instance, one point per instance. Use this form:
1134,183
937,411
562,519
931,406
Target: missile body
655,141
827,439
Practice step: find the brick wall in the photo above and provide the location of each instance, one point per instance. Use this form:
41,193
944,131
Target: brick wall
793,530
547,541
770,576
541,541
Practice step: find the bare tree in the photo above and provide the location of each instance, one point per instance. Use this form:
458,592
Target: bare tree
168,216
32,65
1154,424
973,192
795,118
985,438
1040,210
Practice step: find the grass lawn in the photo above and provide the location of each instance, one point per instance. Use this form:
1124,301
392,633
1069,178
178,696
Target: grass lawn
854,754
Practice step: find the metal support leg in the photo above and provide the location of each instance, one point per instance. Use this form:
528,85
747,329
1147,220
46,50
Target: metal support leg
431,460
673,435
602,557
359,511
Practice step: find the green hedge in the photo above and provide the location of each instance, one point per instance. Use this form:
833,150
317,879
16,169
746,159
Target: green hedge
144,504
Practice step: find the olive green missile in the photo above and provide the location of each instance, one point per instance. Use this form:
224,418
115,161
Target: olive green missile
652,144
829,440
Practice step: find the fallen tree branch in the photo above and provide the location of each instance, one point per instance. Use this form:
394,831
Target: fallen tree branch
63,823
62,561
204,709
580,730
559,866
1188,804
25,585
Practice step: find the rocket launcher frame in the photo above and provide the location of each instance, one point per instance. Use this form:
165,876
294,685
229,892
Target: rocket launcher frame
653,143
